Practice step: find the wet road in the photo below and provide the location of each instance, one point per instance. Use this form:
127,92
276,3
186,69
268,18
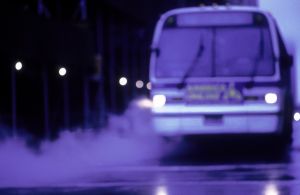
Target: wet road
223,169
280,175
271,179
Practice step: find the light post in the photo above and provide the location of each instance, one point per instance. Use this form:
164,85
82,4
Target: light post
46,102
62,71
17,67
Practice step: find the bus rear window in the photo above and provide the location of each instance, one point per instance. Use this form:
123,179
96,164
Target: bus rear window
216,19
228,50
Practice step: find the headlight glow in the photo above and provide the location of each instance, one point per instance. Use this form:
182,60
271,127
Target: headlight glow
271,98
159,100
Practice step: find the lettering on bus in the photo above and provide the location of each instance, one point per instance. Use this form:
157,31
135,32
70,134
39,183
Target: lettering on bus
214,93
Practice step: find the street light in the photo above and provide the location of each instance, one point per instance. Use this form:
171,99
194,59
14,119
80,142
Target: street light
62,71
148,86
18,66
139,84
123,81
297,116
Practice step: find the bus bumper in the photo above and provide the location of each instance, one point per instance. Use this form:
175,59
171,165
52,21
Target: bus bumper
187,123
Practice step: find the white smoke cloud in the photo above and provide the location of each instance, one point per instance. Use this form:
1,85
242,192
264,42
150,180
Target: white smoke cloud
127,140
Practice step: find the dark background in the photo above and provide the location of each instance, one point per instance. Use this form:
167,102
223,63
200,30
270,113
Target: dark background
97,41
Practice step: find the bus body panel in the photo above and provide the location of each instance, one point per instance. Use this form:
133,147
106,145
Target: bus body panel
251,115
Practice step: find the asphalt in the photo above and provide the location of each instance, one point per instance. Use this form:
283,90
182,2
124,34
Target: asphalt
207,168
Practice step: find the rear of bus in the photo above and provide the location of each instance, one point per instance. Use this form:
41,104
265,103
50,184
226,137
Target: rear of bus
220,71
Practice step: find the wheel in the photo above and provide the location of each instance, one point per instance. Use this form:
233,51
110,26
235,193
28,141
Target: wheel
172,139
287,129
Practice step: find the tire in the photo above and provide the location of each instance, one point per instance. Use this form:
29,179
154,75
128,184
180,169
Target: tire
287,129
172,139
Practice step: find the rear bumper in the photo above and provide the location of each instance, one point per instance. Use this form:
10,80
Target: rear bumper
173,122
196,124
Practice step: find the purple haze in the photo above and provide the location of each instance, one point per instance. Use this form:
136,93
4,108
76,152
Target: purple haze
127,140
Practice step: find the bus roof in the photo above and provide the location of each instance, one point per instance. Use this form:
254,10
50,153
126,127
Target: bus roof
212,9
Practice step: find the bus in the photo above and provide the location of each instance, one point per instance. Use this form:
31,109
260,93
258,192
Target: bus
220,70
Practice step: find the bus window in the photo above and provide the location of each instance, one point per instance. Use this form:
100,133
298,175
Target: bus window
178,49
244,52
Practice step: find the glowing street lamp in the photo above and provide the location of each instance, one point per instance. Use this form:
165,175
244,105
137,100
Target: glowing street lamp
18,66
123,81
148,86
62,71
139,84
297,116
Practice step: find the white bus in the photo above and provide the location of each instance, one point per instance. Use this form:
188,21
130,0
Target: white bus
220,70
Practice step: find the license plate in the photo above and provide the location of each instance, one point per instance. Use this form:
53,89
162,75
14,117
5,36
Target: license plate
214,93
213,120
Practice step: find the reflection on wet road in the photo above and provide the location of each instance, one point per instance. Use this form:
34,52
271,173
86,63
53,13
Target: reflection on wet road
281,177
192,169
273,179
